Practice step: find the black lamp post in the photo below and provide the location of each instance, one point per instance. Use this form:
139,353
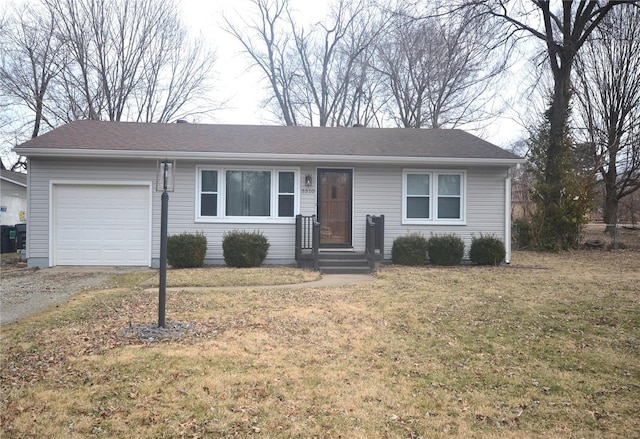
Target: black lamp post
166,171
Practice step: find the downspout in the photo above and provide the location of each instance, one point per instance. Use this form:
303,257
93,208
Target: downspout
507,216
27,243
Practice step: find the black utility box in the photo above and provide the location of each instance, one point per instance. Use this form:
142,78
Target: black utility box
7,239
21,236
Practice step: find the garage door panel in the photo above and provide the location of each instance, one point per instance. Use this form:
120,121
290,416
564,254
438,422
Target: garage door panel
101,225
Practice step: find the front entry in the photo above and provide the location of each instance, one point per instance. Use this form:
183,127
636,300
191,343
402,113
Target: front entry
334,207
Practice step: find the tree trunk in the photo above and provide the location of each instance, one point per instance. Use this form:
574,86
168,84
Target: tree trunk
558,119
610,214
555,166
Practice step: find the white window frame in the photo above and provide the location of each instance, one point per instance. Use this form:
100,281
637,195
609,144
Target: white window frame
222,216
199,195
433,197
278,193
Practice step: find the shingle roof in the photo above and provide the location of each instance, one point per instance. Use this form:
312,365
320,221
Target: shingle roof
14,177
252,139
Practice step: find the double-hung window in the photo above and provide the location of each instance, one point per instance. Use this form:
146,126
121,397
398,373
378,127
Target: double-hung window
208,193
432,197
239,194
418,198
449,196
286,193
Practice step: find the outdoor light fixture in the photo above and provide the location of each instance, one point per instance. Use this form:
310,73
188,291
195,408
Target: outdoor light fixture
165,176
308,180
164,182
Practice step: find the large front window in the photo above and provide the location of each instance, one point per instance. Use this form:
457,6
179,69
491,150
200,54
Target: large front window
433,197
248,193
244,194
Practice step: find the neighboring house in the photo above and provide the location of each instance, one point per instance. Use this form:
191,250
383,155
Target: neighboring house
13,197
93,194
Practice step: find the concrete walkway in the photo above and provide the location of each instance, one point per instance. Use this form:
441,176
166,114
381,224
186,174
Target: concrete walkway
327,280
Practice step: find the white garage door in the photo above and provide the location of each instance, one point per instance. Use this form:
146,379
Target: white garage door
101,225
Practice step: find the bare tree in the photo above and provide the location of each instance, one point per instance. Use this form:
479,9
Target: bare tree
266,39
439,70
317,76
335,58
563,28
364,101
130,59
31,59
607,89
102,59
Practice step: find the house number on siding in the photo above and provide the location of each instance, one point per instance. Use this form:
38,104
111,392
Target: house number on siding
308,191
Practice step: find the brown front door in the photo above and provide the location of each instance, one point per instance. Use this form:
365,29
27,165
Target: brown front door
334,207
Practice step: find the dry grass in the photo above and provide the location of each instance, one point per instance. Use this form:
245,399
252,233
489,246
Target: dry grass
218,276
627,237
547,348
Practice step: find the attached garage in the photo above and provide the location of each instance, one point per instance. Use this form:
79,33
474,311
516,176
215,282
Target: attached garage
101,224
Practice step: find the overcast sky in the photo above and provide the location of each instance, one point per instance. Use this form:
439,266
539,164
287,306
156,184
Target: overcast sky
244,89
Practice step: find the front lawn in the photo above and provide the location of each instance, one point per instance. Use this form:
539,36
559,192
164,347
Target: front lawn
549,347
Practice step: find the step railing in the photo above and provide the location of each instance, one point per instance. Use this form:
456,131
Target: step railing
307,238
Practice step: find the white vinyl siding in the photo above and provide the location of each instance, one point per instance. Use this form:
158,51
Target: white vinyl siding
44,170
377,190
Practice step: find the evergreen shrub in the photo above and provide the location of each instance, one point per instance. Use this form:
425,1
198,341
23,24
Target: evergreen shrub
445,249
244,249
186,250
409,250
487,250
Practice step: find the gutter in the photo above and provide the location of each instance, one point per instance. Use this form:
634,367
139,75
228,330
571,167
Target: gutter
507,216
13,181
292,158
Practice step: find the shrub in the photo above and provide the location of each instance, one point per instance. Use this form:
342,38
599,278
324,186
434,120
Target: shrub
409,250
445,249
487,250
186,250
244,249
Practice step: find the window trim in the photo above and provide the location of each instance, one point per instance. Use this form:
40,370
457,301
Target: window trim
222,217
434,197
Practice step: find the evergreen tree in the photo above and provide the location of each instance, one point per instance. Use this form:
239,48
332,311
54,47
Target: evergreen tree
557,220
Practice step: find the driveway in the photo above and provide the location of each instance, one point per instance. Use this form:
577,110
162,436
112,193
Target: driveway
27,291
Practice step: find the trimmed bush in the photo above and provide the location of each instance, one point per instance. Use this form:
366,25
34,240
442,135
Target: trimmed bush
409,250
186,250
446,250
487,250
244,249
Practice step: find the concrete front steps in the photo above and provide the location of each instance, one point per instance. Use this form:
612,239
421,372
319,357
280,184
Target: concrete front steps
342,263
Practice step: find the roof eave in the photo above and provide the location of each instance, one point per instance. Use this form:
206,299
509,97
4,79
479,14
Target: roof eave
228,156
